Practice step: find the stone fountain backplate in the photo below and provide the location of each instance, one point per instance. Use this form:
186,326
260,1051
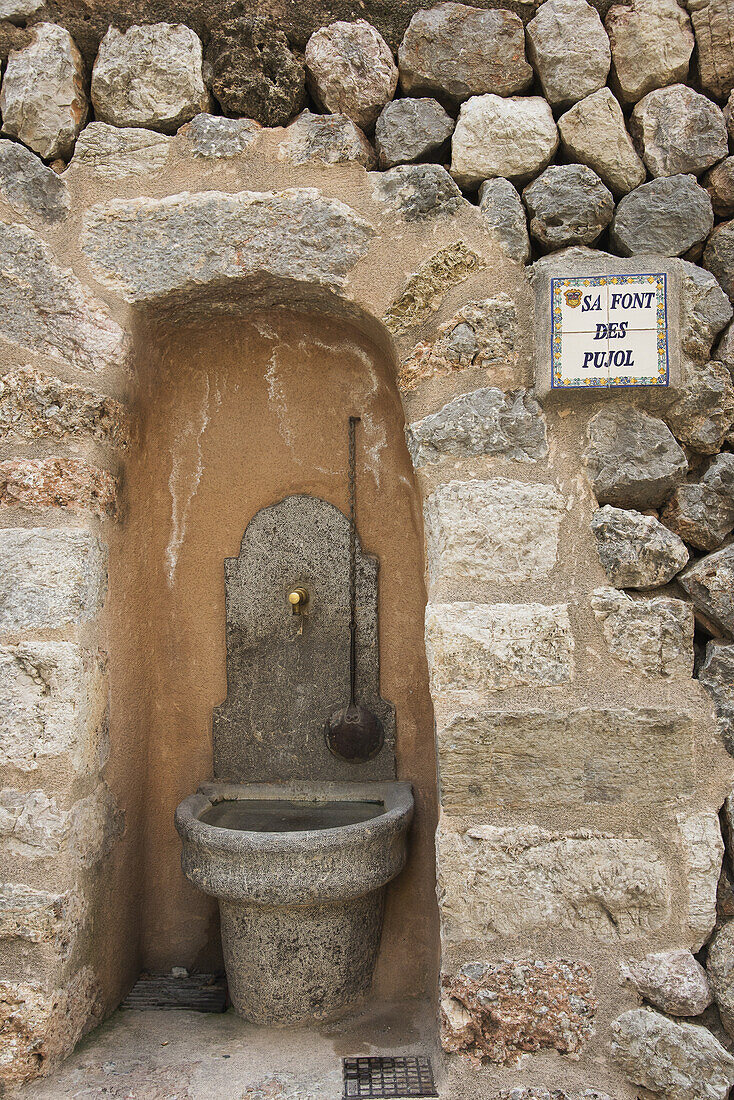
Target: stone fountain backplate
287,673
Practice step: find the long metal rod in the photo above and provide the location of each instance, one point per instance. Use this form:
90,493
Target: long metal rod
353,421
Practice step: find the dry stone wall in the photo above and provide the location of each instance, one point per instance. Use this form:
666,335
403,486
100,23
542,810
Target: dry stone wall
580,623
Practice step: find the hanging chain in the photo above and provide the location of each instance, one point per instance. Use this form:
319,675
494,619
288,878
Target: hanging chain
353,421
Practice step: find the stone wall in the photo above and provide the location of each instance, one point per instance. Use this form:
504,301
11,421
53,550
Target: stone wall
579,562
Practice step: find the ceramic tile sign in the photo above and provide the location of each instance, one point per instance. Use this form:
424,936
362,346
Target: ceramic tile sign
609,330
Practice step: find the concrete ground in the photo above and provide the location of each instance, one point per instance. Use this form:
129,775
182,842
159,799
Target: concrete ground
177,1055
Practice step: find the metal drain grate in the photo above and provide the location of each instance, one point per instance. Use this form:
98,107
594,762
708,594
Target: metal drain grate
379,1077
196,993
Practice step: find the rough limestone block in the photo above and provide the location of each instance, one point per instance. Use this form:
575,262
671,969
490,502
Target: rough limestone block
702,413
514,138
581,758
702,850
482,335
717,676
492,532
700,515
593,132
50,578
42,99
44,307
718,256
710,584
474,648
39,917
149,76
652,43
219,138
667,216
147,248
569,50
503,211
54,699
483,422
34,405
114,153
418,191
719,182
705,310
632,458
636,551
678,131
29,187
502,1011
350,71
253,71
455,51
568,204
652,635
57,482
720,969
526,880
673,981
712,24
36,827
17,11
411,129
326,139
39,1027
678,1061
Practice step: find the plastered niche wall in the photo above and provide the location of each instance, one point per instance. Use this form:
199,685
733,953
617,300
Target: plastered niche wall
231,416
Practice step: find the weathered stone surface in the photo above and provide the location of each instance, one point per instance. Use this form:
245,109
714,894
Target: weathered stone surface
481,335
514,138
58,482
517,1007
583,757
41,917
633,459
45,308
503,210
29,186
456,51
17,11
569,50
710,584
593,132
678,1061
719,182
54,700
703,412
672,981
496,531
39,1027
113,153
699,512
725,348
652,635
327,139
718,256
702,851
411,129
717,676
34,405
42,99
418,191
536,1092
705,309
678,131
729,114
50,578
568,204
294,234
667,216
424,291
652,42
526,879
636,551
712,23
487,647
34,826
254,72
149,76
720,969
218,138
485,421
350,71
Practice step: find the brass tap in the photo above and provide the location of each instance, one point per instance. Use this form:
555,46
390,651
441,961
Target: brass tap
298,599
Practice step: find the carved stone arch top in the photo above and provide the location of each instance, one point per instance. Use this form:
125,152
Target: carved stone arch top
286,672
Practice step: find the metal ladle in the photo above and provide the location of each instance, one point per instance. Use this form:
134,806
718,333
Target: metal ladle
353,733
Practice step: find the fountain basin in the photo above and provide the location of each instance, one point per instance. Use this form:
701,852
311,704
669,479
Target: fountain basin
299,870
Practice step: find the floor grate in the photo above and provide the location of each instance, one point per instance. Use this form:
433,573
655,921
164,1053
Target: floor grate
380,1077
196,993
